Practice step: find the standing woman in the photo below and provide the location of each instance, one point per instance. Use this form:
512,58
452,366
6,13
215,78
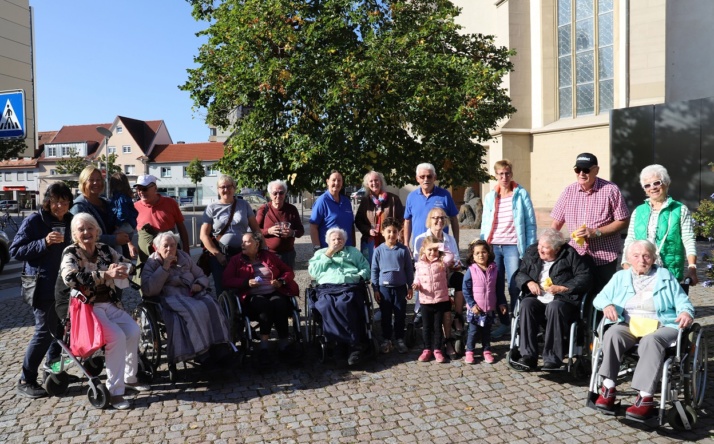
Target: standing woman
91,187
332,210
509,226
376,206
224,224
666,223
280,223
39,242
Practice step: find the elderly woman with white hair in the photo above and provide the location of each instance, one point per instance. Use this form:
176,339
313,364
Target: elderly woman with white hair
666,223
92,268
340,271
553,278
195,323
376,206
643,305
280,223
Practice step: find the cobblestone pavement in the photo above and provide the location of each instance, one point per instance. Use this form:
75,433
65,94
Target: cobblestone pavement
393,399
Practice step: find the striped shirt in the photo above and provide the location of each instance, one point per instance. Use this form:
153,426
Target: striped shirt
595,208
504,231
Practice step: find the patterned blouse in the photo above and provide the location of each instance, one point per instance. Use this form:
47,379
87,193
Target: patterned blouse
86,273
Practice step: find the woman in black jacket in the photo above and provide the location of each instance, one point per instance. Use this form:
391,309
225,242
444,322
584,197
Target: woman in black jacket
553,278
39,243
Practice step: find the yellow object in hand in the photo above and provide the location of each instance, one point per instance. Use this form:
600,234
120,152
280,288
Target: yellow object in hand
579,240
548,283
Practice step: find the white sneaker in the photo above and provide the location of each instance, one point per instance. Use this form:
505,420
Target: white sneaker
119,403
401,346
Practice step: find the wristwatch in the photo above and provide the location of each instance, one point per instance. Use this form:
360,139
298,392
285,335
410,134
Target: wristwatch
598,233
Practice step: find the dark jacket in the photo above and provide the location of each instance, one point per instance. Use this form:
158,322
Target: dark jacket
29,246
108,223
569,270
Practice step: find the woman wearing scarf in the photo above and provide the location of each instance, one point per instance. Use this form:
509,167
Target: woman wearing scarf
509,226
376,205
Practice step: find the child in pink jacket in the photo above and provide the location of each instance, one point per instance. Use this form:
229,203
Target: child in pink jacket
481,298
431,282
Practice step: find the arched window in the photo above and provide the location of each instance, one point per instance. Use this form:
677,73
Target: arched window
586,60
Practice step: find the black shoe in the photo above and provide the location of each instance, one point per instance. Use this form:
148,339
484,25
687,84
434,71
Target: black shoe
526,363
30,389
354,358
551,366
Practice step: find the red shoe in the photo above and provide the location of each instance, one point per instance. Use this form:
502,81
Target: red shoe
439,356
606,400
643,408
426,356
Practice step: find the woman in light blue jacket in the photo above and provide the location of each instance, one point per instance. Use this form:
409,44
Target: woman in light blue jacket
509,226
647,306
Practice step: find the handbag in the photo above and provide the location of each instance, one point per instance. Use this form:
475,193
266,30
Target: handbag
29,284
640,327
204,260
86,336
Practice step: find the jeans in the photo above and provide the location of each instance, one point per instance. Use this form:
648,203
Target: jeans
217,273
485,336
507,261
121,352
42,342
393,300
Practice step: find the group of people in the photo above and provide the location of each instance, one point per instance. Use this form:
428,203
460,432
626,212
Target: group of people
407,251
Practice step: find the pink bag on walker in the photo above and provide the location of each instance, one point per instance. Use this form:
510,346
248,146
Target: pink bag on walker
85,333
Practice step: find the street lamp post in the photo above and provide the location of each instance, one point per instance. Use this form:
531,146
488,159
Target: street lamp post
107,134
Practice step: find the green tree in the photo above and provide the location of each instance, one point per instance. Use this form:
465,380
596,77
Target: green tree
113,167
11,148
347,84
196,173
72,164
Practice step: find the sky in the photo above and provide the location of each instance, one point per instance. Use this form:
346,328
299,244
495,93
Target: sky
96,59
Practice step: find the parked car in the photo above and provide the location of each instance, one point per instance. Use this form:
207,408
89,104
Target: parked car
254,200
8,205
357,195
4,250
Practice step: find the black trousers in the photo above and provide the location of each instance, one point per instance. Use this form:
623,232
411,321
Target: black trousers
557,316
269,309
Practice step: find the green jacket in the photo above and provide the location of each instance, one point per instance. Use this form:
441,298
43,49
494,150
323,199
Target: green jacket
347,266
668,238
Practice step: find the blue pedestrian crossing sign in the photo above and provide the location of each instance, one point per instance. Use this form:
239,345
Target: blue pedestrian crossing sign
12,117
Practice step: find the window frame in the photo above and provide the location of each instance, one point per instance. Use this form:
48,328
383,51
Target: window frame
165,172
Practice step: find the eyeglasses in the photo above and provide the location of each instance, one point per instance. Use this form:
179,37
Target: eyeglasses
426,176
60,203
655,184
578,170
438,218
226,187
142,189
506,173
278,193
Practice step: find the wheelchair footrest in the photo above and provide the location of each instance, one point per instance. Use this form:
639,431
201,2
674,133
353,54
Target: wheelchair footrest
652,421
592,398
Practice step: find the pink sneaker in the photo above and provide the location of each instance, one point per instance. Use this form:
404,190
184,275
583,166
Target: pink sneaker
426,356
439,356
488,357
469,359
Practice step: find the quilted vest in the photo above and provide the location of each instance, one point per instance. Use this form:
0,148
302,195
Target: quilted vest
668,236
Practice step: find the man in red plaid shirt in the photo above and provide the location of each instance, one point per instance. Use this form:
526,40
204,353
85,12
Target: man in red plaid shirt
594,212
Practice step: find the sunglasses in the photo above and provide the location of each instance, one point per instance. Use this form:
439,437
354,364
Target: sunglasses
578,170
142,189
655,184
278,193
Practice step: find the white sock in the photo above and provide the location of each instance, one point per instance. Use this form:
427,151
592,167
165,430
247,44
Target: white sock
645,394
608,383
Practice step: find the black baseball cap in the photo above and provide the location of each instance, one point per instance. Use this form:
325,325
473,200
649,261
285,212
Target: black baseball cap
585,160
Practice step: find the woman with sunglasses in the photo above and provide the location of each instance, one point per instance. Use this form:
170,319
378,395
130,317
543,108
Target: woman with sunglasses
280,223
225,241
666,223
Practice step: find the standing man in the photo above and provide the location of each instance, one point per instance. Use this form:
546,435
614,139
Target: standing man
156,214
594,212
422,200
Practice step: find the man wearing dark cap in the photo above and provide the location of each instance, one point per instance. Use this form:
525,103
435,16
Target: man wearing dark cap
594,212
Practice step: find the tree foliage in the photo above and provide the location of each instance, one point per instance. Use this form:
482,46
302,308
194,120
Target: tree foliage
113,167
350,85
196,173
72,164
10,148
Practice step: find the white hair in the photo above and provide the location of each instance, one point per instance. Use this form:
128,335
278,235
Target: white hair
160,237
426,166
657,171
552,237
277,183
649,246
342,232
365,181
84,217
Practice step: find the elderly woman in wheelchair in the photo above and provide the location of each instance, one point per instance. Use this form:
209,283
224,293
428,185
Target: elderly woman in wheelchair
644,306
341,272
195,324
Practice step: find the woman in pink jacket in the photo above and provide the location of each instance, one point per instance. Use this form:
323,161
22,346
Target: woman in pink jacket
431,282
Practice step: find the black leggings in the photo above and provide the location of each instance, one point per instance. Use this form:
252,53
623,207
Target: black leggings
269,309
433,316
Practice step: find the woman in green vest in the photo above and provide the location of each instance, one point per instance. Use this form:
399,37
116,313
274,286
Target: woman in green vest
666,223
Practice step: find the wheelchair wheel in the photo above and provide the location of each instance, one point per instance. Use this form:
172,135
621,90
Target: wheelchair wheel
150,338
696,368
94,366
98,394
228,304
675,420
56,384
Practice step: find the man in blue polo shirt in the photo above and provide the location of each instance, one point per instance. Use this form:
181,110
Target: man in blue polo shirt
422,200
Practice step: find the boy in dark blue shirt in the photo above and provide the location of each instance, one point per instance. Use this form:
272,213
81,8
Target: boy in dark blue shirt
392,277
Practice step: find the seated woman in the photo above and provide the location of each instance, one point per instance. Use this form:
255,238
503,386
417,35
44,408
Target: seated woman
264,284
195,323
554,279
91,268
341,306
644,292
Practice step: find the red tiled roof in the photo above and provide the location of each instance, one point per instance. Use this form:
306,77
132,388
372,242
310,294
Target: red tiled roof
43,137
80,133
186,152
19,163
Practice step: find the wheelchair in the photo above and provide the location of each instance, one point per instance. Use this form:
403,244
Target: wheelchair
314,324
684,375
244,331
579,341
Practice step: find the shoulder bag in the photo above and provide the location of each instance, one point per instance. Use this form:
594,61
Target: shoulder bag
204,260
